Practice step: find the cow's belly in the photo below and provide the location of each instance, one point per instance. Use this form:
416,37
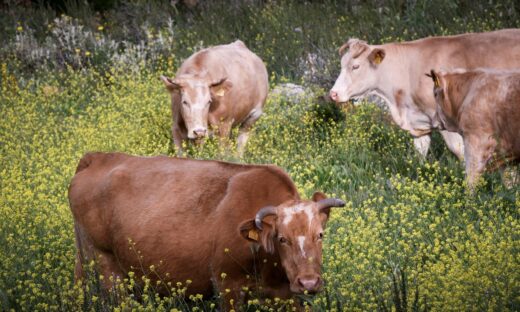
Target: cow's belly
169,260
170,240
417,123
235,115
409,118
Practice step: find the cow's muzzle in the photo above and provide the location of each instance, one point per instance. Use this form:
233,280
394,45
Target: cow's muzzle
310,284
333,95
200,132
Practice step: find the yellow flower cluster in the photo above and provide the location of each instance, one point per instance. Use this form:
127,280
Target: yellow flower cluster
410,237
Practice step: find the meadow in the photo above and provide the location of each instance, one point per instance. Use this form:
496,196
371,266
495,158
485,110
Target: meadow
411,238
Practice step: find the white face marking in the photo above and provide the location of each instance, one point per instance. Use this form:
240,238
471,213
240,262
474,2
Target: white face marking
195,115
301,243
290,211
202,95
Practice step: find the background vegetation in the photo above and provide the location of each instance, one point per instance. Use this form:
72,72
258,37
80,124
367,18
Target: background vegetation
73,79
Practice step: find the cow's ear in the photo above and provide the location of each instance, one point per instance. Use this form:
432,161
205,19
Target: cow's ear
264,237
220,88
435,78
317,196
343,49
324,213
356,46
376,56
170,84
324,204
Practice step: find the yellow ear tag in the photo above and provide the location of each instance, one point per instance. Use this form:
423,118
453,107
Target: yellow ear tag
253,235
436,82
220,92
378,59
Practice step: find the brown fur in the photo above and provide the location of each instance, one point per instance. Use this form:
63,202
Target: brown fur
181,215
399,96
484,106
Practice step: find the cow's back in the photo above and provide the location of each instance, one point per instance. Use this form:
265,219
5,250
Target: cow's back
497,49
233,61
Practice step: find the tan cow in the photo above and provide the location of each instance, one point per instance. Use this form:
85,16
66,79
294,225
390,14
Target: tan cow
218,87
196,220
396,73
482,105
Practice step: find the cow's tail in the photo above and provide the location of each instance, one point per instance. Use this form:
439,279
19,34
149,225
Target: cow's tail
79,246
80,239
84,253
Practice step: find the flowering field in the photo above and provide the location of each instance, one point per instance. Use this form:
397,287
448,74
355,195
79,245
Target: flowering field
410,238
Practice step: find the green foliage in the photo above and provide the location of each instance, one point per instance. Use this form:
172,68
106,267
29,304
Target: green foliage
409,239
296,39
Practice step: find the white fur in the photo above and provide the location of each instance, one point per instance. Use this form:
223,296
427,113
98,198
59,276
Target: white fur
301,243
290,211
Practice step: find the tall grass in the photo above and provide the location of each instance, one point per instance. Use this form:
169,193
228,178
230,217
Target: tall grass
297,39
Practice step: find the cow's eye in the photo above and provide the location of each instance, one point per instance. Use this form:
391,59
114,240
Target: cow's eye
356,66
320,236
282,240
184,103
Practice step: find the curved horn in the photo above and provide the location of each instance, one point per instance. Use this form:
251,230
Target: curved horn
262,213
330,202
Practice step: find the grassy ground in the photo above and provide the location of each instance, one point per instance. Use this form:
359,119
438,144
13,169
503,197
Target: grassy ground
410,238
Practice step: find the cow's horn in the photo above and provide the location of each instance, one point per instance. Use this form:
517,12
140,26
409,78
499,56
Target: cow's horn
262,213
330,202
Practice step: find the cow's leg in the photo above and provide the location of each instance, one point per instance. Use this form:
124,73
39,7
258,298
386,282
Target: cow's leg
478,150
245,127
105,262
422,144
109,268
224,131
454,142
177,138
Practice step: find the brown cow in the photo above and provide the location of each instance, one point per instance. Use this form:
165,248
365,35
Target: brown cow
395,72
483,105
224,86
199,219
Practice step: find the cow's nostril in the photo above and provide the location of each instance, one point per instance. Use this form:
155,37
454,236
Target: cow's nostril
333,95
199,132
309,284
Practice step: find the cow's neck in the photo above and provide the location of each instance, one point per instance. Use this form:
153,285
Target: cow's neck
397,101
274,277
268,268
401,93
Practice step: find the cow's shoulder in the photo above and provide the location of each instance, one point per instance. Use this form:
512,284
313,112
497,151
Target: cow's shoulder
268,178
280,175
458,83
